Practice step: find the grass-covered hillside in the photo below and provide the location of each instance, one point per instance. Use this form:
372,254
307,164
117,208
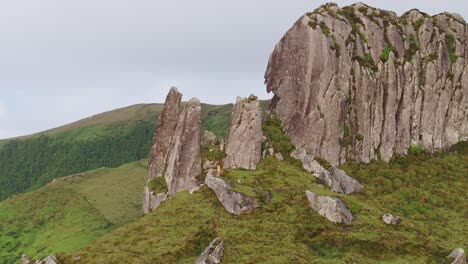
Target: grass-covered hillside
106,140
70,212
427,191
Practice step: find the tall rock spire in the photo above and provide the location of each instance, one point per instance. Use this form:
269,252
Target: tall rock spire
184,162
163,134
176,151
245,137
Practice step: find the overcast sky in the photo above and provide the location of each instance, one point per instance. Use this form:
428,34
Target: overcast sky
63,60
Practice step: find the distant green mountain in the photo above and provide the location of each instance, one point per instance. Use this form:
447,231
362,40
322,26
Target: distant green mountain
109,139
70,212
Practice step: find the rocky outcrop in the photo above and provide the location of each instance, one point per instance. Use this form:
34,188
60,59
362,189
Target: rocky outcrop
24,259
359,83
245,137
184,162
336,179
152,200
458,256
330,207
163,134
390,219
213,253
176,150
234,202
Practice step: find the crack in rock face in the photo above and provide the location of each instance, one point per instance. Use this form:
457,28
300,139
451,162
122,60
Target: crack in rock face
360,83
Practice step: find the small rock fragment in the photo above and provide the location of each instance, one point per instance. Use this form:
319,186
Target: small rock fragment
390,219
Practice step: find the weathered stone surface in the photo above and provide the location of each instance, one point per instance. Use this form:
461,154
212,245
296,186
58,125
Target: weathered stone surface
152,200
336,179
390,219
213,253
245,137
458,256
340,101
165,130
234,202
176,150
330,207
209,138
184,162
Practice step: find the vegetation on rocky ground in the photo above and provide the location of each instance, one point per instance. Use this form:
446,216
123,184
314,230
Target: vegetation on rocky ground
427,190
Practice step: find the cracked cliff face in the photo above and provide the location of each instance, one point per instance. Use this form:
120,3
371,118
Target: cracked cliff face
359,83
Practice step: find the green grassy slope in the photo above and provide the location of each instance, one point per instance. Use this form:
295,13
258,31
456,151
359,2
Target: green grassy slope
428,191
70,212
106,140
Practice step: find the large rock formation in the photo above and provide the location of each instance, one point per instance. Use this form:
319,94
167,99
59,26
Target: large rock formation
359,83
336,179
330,207
163,134
176,150
184,162
234,202
213,253
244,141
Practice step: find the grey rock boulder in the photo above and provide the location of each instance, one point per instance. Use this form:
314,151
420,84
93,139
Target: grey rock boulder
458,256
245,137
234,202
331,208
340,182
390,219
337,180
213,253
